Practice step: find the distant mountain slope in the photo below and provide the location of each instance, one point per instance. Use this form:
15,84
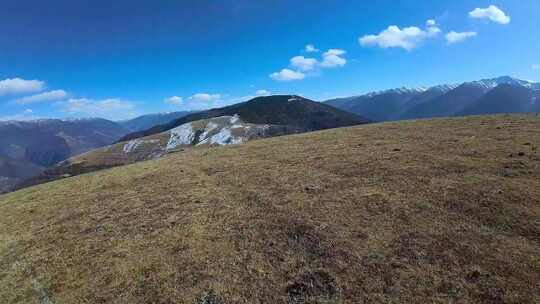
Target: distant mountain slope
390,104
380,106
447,104
430,211
148,121
438,101
43,143
505,99
13,172
217,131
285,110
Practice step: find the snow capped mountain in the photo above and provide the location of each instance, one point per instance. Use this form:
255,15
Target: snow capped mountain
437,101
402,91
488,84
443,88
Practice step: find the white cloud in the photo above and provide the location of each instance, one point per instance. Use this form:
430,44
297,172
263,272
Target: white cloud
394,37
112,108
310,48
262,93
27,114
455,37
535,66
431,22
174,100
204,97
287,75
258,93
304,64
300,65
333,58
20,86
47,96
492,13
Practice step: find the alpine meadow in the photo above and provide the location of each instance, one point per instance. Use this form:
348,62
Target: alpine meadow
272,151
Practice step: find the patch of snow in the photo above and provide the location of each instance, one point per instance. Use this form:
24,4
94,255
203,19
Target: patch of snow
235,119
237,126
182,135
223,137
211,126
293,99
131,145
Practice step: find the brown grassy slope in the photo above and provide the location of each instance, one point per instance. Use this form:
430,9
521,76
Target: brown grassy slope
440,211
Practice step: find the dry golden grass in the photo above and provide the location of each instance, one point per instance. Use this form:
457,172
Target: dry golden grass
436,211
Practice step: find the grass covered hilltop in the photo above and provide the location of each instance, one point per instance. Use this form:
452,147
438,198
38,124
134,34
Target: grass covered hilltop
434,211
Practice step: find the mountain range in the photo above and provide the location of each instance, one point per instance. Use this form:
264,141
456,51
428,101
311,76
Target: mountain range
147,121
476,97
425,211
261,117
29,147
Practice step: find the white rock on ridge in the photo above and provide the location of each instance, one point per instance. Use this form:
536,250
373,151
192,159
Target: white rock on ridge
182,135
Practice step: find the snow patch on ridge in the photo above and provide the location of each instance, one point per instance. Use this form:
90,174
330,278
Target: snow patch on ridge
211,126
235,118
132,145
182,135
223,137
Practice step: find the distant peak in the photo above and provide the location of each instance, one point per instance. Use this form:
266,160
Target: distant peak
402,90
491,83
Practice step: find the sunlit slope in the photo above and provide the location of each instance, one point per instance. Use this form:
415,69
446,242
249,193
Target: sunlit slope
434,211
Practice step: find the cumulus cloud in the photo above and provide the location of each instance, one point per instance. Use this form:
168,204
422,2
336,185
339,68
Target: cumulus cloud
205,97
42,97
431,22
333,58
492,13
455,37
304,64
300,67
112,108
27,114
20,86
310,48
258,93
407,38
262,93
287,75
174,100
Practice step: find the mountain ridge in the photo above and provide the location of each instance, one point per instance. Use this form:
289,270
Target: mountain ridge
436,101
290,110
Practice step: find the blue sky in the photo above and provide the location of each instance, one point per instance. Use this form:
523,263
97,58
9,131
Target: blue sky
118,59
